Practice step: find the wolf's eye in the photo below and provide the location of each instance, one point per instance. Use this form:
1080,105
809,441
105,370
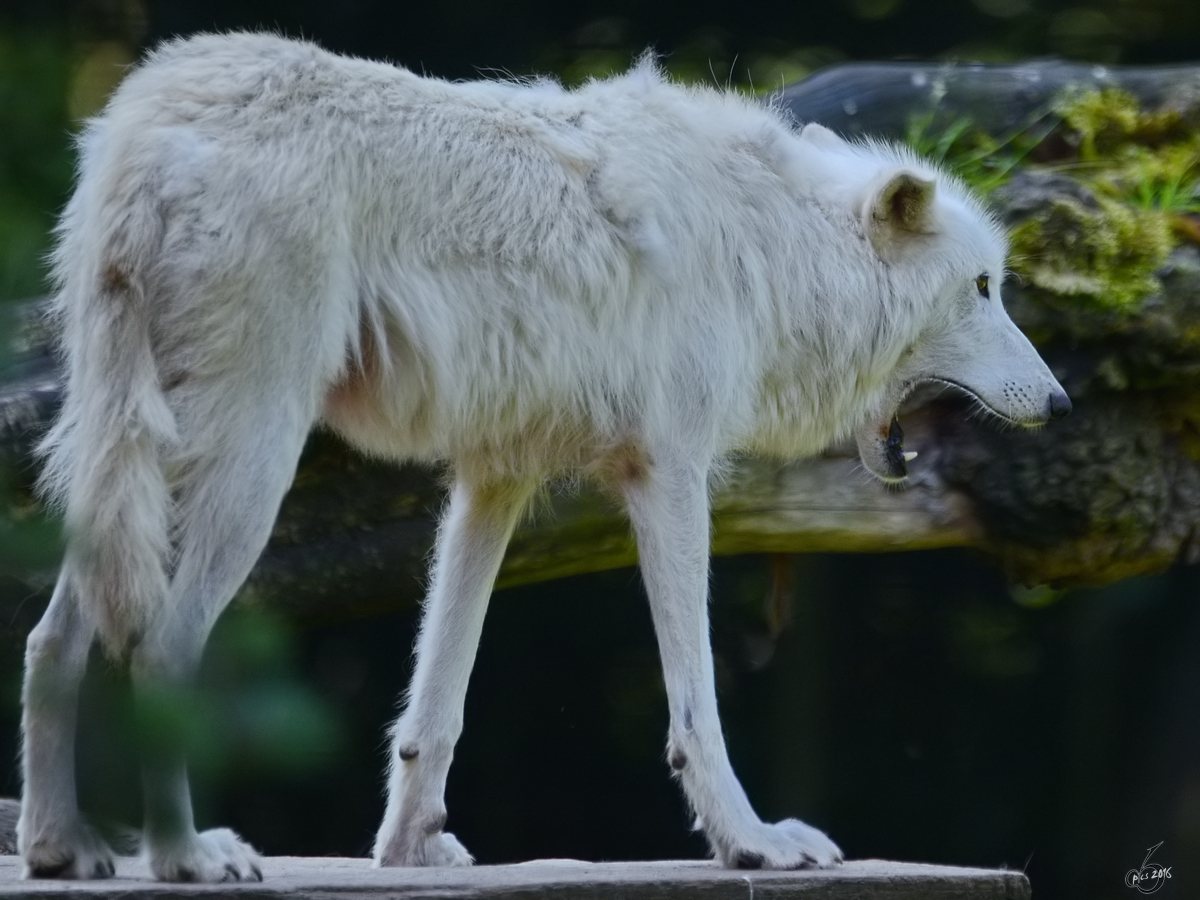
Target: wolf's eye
982,284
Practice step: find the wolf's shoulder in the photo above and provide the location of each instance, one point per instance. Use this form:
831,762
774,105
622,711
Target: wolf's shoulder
240,49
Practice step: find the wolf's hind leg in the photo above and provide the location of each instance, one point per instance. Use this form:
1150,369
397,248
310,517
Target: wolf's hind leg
227,506
53,837
668,506
474,531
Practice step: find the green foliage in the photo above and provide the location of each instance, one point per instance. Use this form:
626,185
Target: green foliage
35,176
1143,169
1139,169
970,152
1098,119
30,540
1166,179
35,153
1147,159
249,712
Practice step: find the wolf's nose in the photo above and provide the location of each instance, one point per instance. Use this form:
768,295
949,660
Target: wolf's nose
1058,405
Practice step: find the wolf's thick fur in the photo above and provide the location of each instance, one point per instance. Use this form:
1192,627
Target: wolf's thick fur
630,281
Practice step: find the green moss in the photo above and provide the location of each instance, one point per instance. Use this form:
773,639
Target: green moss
1143,170
1107,254
1166,179
1147,159
1099,120
1102,124
1140,171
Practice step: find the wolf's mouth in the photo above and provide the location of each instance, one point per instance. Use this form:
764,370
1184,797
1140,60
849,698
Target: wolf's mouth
893,449
881,441
979,402
881,449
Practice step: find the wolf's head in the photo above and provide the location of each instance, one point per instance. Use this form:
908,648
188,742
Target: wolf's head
923,225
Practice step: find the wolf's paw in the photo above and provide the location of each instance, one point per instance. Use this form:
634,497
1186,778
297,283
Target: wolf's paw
71,851
438,849
210,856
789,844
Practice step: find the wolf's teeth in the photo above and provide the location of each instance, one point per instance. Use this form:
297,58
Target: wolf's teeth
910,455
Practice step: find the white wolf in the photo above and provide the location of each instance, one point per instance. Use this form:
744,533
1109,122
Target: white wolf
630,280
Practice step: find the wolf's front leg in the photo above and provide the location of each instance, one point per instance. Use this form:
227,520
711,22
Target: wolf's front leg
474,531
668,505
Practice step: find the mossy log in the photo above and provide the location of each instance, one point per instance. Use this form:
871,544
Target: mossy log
879,99
1111,491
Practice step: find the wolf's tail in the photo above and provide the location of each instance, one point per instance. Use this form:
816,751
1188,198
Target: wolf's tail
104,456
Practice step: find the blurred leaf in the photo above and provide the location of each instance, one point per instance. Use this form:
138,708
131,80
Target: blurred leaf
249,711
35,153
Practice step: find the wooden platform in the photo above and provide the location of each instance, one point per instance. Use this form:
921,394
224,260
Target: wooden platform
347,879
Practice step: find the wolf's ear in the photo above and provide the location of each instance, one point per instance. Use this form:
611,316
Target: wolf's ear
898,208
821,136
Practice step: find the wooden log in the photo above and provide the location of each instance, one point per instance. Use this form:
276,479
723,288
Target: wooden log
878,99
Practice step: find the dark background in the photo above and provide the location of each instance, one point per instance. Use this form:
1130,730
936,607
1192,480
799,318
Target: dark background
915,706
